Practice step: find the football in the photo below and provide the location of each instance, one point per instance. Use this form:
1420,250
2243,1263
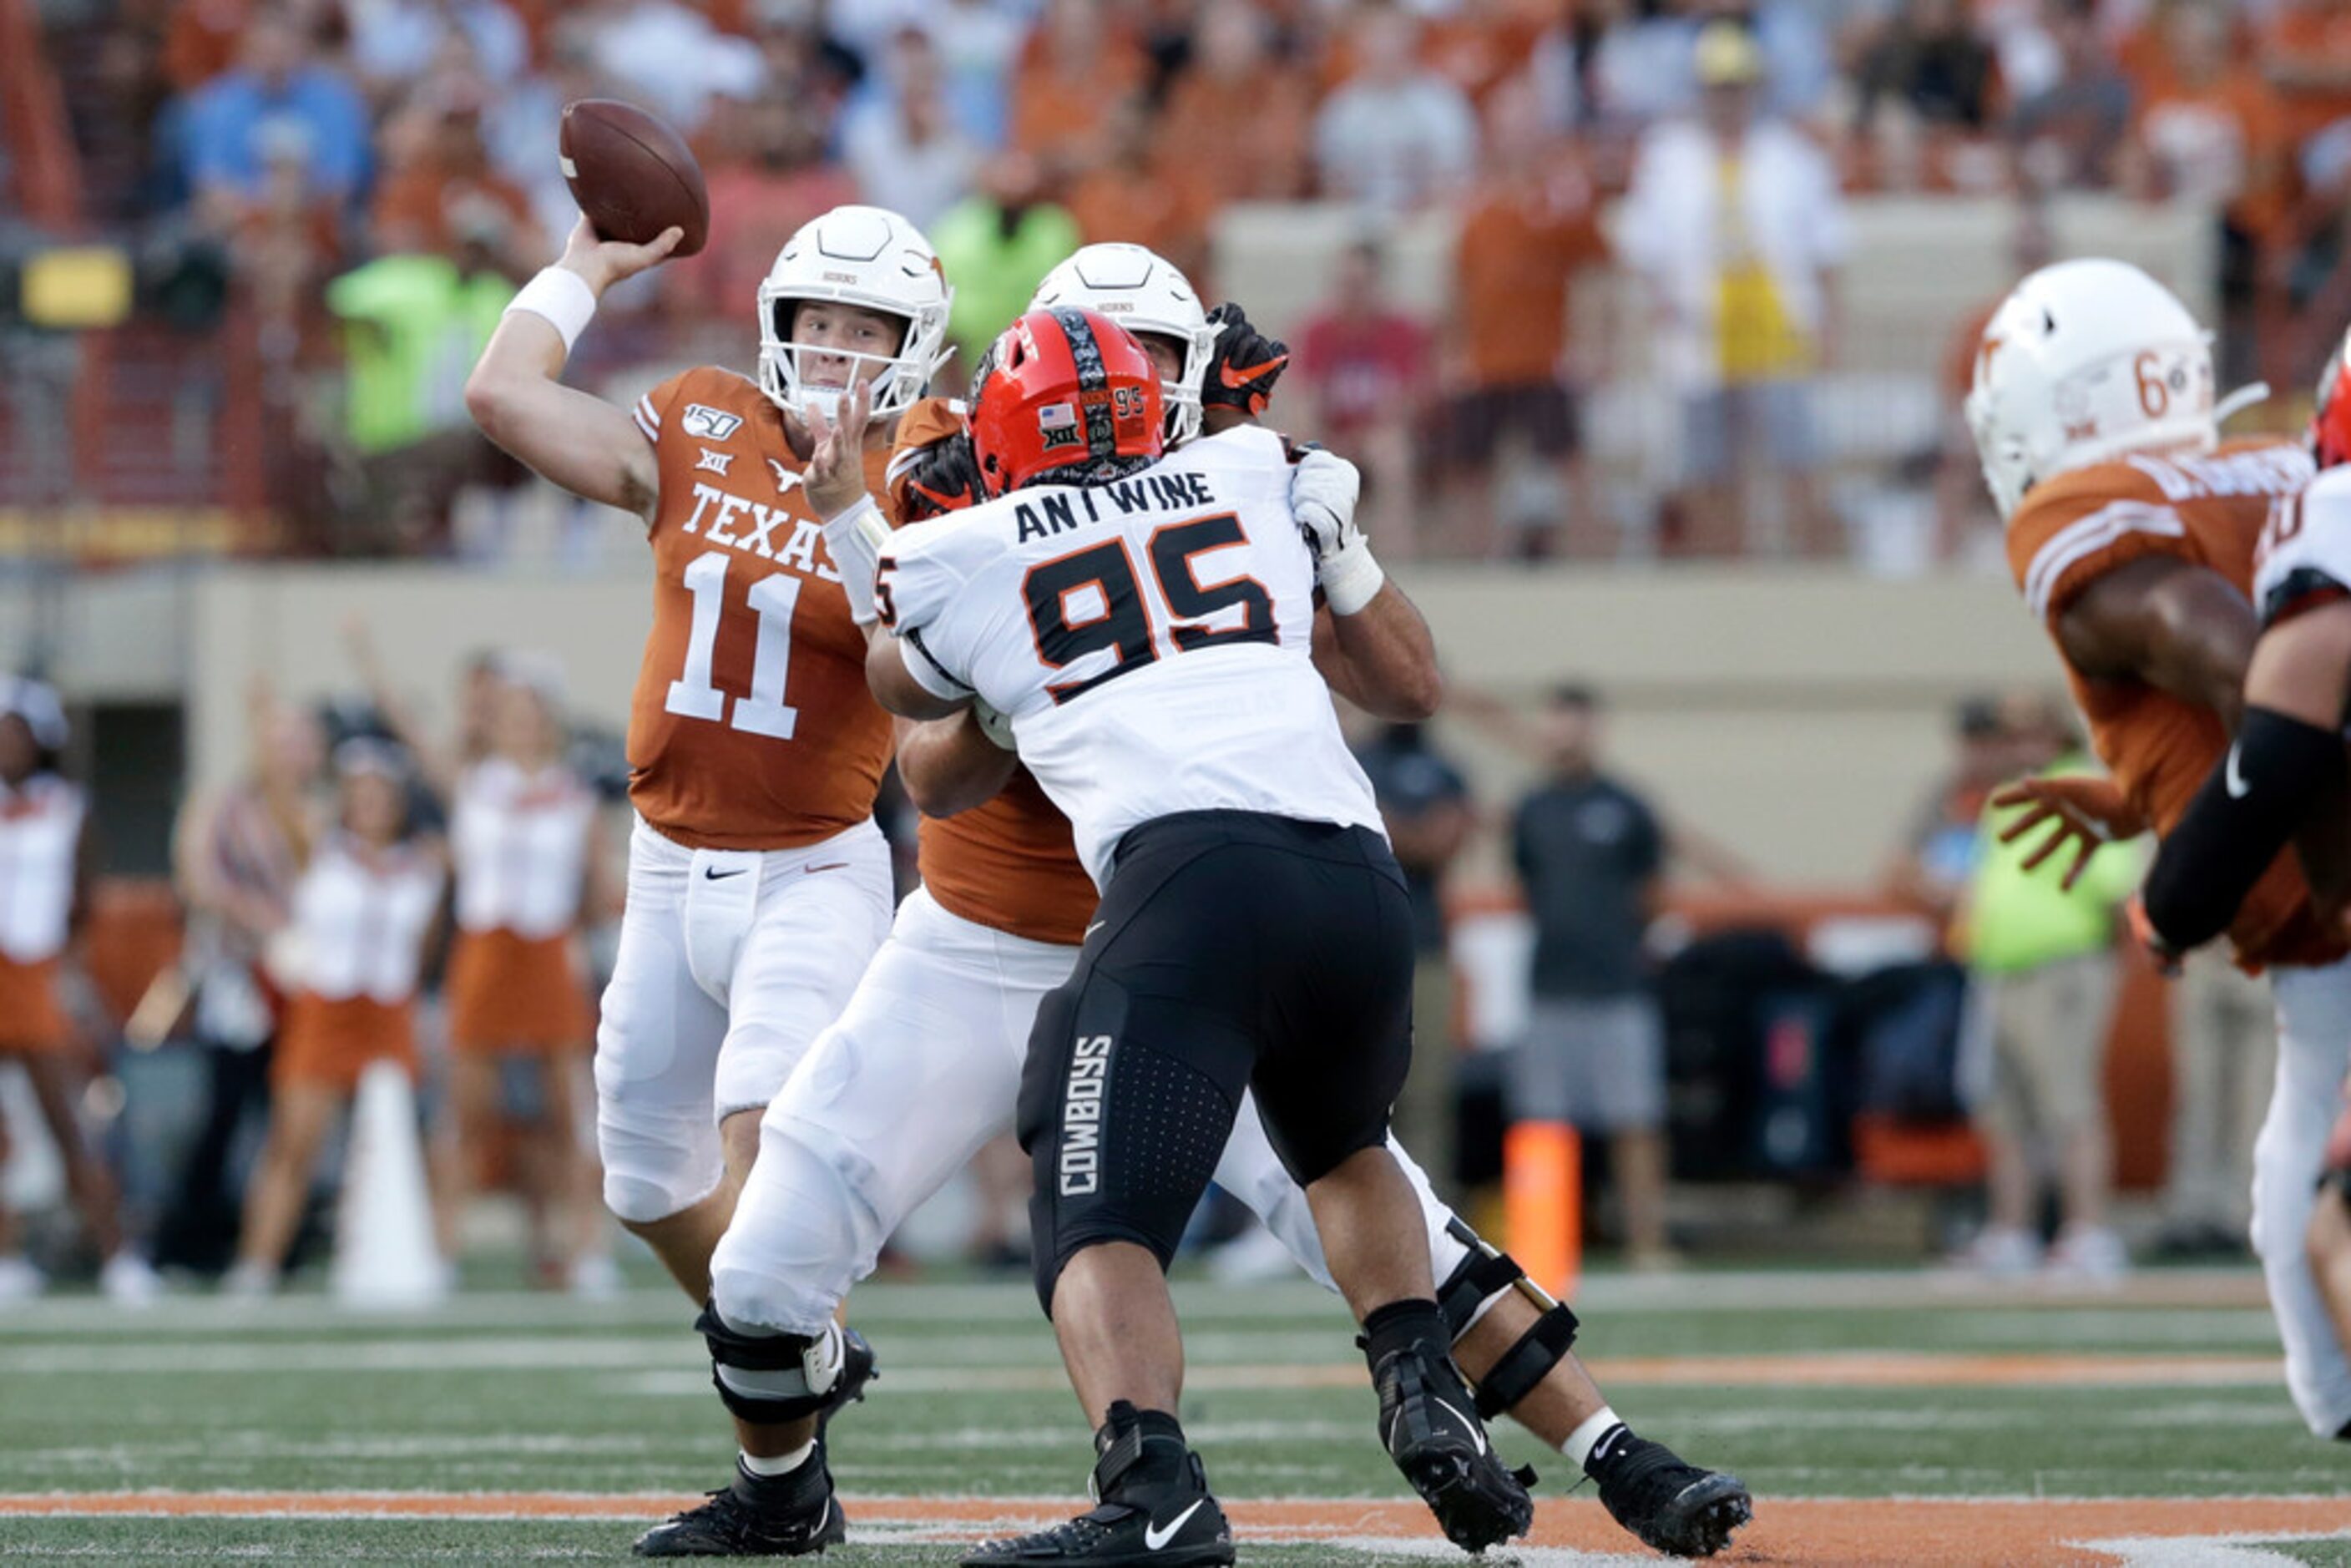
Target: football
631,174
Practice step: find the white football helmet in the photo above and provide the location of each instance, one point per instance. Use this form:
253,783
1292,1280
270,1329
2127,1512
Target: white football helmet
1143,292
876,260
2084,362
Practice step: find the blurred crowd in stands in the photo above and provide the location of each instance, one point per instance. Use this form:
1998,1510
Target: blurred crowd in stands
359,183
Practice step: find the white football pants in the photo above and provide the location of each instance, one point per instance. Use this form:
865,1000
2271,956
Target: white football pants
922,1067
2313,1011
731,963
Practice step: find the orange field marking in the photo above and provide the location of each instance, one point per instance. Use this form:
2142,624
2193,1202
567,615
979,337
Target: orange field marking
1811,1531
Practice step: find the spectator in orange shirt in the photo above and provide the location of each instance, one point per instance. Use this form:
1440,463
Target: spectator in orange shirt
441,165
1531,228
1366,368
1480,43
1237,116
1157,204
1073,73
2206,129
2306,58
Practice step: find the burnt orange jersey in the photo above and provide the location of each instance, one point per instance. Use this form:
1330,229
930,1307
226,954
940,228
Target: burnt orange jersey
1011,864
2209,511
752,728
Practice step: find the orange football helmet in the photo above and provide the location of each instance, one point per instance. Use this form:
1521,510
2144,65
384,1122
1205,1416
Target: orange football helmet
1064,396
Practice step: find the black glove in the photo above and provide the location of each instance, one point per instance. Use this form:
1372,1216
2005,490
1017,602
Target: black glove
1244,364
931,481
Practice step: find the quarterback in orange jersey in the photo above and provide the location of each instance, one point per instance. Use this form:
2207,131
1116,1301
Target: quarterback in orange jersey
2132,533
758,885
850,1147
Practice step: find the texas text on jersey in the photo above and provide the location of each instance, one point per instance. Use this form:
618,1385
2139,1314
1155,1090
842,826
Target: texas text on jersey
1197,558
2073,530
751,727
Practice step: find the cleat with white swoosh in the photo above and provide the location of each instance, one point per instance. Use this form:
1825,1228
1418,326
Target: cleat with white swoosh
1430,1425
1155,1512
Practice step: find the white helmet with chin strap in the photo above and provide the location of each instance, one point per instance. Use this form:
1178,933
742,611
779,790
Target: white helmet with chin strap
876,260
1142,291
2084,362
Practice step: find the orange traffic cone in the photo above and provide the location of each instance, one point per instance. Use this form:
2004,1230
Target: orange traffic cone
1542,1202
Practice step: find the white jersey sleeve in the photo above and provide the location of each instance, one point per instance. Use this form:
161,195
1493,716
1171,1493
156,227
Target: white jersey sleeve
918,582
1149,639
2304,555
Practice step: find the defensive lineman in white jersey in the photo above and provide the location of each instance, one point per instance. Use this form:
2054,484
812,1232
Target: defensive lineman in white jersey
1156,739
1144,626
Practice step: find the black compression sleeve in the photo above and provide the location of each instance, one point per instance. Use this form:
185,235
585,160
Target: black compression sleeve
2249,804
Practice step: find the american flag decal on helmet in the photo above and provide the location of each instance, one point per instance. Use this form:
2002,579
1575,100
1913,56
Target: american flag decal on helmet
1057,423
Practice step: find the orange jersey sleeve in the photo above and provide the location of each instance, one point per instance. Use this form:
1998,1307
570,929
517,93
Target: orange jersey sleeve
2078,527
929,422
1010,865
751,727
2207,512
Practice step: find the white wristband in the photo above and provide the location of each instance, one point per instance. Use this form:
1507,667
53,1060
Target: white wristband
854,539
1351,579
560,298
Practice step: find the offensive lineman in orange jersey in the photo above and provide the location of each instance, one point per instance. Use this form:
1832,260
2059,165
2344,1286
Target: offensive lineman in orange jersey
2132,534
758,885
923,1065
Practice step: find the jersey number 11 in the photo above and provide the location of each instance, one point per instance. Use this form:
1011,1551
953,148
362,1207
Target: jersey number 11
764,710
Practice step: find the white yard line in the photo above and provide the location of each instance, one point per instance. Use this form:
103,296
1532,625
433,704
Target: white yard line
2202,1550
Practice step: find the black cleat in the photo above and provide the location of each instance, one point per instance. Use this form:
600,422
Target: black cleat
857,1370
758,1516
1430,1425
1673,1506
1155,1517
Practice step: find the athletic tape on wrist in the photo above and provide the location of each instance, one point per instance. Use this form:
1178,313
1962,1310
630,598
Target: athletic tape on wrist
1351,580
856,539
560,298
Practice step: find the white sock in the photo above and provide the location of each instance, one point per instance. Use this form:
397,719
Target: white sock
781,1466
1586,1437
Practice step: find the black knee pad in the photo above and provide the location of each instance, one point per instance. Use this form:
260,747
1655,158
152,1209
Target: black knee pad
1473,1286
774,1378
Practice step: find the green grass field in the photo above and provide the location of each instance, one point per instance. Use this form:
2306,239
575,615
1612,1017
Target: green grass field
1818,1386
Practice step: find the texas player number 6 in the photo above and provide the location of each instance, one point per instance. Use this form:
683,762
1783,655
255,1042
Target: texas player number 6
764,710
